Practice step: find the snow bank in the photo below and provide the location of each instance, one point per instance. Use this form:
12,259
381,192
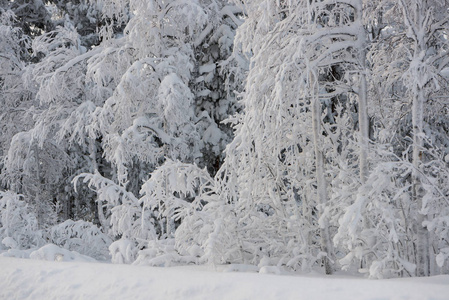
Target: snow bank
31,279
18,253
49,252
52,252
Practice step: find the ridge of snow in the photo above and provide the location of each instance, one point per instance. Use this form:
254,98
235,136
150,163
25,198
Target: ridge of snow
31,279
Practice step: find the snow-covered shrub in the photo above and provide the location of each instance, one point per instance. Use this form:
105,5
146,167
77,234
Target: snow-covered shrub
52,252
81,236
18,225
174,191
129,223
123,251
176,194
162,253
375,228
378,230
210,234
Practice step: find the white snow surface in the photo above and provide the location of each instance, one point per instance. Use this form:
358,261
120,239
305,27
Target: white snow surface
35,279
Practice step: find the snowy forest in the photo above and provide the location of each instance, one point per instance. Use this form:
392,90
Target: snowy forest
302,134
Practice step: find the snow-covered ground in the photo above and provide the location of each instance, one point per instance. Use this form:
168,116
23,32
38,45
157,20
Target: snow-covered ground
36,279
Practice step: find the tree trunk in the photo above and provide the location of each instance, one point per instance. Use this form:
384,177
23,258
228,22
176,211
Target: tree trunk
38,188
363,114
326,245
93,157
422,235
422,241
362,96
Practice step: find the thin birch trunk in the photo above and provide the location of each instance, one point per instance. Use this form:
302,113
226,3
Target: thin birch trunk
422,242
93,157
326,245
363,121
417,25
363,118
38,200
363,98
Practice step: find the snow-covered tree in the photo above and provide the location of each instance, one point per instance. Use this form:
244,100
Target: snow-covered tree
38,154
32,15
403,193
166,103
160,83
150,91
307,63
15,98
